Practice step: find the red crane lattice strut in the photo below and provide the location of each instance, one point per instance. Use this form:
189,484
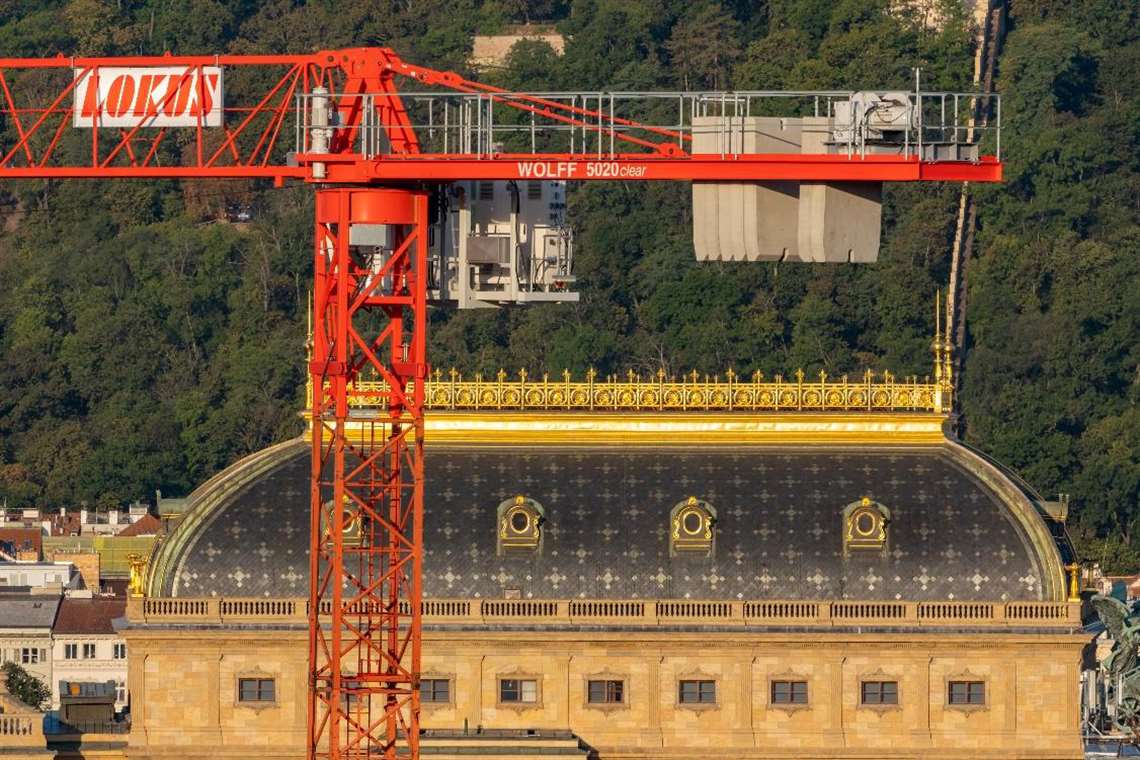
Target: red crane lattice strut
164,116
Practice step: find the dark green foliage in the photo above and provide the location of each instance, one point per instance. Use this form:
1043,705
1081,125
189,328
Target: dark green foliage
1052,382
145,344
25,687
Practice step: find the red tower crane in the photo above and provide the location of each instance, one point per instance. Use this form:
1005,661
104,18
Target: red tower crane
335,119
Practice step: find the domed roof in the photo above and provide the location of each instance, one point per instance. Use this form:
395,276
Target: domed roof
956,528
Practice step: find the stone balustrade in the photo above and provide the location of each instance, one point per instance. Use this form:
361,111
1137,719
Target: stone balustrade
21,730
642,612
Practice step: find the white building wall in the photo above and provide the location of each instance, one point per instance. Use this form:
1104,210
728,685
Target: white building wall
102,666
39,574
31,648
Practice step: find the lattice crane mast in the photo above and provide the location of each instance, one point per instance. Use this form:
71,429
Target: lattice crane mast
388,165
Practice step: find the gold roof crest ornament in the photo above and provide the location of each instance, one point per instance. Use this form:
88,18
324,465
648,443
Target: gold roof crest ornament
732,391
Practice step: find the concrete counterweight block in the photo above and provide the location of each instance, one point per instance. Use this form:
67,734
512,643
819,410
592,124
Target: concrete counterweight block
745,221
780,220
840,222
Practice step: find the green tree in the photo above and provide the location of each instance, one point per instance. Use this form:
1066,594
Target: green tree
703,47
25,687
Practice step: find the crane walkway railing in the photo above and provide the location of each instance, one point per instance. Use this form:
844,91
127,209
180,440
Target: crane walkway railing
611,125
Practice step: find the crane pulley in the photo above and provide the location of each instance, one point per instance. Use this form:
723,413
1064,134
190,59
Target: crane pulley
376,152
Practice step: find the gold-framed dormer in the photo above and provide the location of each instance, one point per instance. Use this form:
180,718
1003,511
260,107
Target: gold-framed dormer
519,521
865,527
692,527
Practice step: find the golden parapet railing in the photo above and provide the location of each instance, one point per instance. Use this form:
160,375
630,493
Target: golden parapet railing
648,613
692,392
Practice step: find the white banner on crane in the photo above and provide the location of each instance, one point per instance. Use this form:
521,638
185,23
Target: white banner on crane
150,96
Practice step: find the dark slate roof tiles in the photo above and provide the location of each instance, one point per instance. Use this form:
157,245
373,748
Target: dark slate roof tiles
778,532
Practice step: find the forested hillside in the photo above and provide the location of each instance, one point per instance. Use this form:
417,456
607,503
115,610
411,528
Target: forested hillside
146,341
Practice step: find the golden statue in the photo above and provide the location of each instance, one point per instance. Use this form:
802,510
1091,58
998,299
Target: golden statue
138,574
1074,581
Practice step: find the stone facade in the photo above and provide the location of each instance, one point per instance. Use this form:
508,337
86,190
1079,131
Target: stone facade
184,680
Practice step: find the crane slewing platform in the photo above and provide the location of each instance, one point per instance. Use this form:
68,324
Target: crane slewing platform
393,149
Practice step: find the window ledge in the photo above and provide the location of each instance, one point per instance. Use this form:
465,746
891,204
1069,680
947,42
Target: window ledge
885,708
518,706
968,708
788,707
698,706
606,707
256,705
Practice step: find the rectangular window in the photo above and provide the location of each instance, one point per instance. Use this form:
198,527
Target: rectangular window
518,690
120,652
697,692
89,651
257,690
967,692
789,693
120,692
880,693
70,651
29,655
605,692
435,690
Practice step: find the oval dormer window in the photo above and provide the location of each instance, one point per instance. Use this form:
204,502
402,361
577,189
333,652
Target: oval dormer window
520,525
691,527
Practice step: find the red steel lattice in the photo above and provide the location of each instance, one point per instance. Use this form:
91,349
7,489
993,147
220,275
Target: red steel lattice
367,478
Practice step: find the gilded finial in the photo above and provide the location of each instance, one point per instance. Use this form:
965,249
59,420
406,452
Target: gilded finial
938,314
